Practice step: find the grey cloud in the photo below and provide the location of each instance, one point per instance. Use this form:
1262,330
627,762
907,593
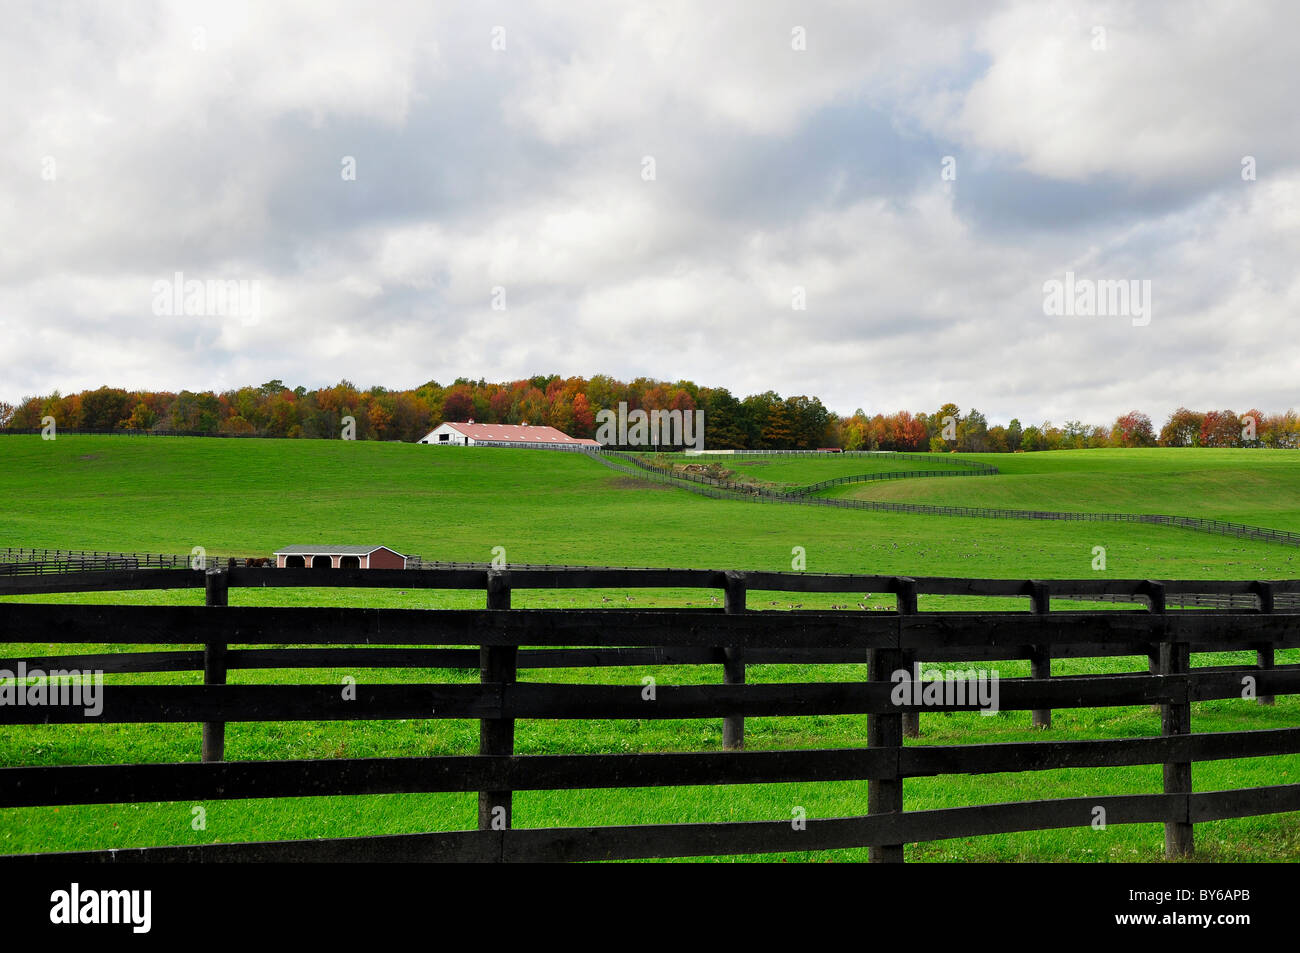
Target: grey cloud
775,168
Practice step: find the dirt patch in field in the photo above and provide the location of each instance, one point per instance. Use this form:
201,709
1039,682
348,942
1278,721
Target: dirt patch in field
88,456
714,471
632,483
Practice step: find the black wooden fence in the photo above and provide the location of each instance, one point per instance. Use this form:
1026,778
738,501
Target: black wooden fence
501,642
15,561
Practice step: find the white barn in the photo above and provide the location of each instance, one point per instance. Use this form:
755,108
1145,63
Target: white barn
470,434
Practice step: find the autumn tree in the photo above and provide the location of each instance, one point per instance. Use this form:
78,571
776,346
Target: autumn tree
1182,429
1282,431
1253,425
1133,430
141,418
780,431
1220,428
458,405
105,408
944,424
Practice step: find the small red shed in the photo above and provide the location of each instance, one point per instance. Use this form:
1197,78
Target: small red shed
339,557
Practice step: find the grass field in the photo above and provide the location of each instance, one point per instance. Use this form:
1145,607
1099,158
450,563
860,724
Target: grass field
1260,488
168,495
786,473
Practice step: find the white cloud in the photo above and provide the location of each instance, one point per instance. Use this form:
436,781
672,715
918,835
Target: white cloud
1174,93
521,169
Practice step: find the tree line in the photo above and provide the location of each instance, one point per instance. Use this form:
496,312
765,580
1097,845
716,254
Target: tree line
765,421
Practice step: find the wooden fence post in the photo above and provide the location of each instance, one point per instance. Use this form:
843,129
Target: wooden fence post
1040,655
733,665
1175,719
885,795
1264,654
496,736
216,593
906,604
1155,594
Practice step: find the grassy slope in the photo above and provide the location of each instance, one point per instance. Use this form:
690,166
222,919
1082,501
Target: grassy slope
168,495
1257,487
786,472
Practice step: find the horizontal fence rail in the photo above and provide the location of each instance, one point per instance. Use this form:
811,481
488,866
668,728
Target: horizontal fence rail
431,574
500,641
73,432
16,561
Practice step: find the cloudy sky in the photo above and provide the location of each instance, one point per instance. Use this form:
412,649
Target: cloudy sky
418,191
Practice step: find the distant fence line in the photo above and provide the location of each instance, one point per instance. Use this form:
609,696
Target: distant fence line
950,459
501,642
751,490
34,431
23,561
721,489
67,570
705,486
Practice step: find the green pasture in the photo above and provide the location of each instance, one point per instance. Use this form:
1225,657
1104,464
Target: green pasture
252,496
1256,487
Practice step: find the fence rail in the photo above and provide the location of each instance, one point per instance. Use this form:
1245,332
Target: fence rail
16,561
501,641
70,432
102,575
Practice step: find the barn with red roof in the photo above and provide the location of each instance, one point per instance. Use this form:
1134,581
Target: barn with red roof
470,434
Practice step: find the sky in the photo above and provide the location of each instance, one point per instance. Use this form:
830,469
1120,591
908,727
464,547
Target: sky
866,202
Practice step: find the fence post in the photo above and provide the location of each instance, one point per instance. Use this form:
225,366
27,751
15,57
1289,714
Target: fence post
1040,655
885,795
906,604
1155,594
1174,658
216,593
1264,654
733,664
496,736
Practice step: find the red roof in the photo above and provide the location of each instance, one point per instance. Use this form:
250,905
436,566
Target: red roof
517,433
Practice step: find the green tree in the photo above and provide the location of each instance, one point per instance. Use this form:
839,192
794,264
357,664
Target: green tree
972,432
105,408
1014,434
